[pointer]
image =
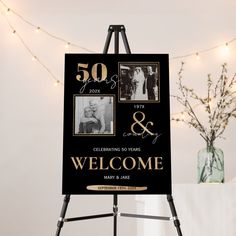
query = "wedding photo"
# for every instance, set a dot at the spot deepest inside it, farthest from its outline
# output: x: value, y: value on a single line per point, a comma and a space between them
x: 93, y: 115
x: 139, y: 82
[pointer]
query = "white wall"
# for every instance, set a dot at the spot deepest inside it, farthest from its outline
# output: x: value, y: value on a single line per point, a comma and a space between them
x: 32, y: 108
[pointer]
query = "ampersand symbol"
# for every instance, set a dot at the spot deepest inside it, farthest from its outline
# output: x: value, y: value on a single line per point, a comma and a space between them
x: 139, y: 122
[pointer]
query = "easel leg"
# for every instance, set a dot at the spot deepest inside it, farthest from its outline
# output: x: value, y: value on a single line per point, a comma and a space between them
x: 116, y: 45
x: 125, y: 40
x: 174, y: 214
x: 108, y: 40
x: 62, y: 215
x: 115, y: 211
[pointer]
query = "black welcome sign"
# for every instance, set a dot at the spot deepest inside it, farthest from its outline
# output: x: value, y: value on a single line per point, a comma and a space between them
x: 116, y: 124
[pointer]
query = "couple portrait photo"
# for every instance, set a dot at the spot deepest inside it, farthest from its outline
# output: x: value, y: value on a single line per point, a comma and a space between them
x: 93, y: 115
x: 139, y: 82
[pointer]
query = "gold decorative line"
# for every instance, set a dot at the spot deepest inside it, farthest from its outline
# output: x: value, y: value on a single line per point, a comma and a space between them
x: 115, y: 188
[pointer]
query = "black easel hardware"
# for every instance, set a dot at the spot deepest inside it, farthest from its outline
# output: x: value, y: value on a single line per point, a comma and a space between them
x: 117, y: 29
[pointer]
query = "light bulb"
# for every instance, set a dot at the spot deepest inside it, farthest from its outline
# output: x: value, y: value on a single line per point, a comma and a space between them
x: 227, y: 47
x: 8, y: 11
x: 37, y: 29
x: 67, y: 45
x: 56, y: 83
x: 225, y: 50
x: 197, y: 56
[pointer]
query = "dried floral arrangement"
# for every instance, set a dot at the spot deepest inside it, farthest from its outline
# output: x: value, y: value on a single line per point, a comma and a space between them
x: 219, y: 104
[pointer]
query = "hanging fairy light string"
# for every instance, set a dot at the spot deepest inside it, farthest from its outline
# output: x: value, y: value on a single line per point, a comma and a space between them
x: 33, y: 56
x: 40, y: 29
x: 197, y: 54
x: 68, y: 43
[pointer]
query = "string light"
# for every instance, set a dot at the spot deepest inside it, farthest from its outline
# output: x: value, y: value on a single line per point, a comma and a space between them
x: 33, y: 57
x: 8, y: 11
x: 44, y: 30
x: 88, y: 50
x: 37, y: 30
x: 224, y: 45
x: 225, y: 50
x: 67, y: 45
x: 197, y: 56
x: 178, y: 116
x: 227, y: 46
x: 57, y: 83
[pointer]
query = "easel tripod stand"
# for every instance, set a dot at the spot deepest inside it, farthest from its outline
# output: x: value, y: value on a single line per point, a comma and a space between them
x: 116, y: 29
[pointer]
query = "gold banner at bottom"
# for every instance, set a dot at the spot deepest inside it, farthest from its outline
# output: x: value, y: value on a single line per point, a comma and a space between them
x: 115, y: 188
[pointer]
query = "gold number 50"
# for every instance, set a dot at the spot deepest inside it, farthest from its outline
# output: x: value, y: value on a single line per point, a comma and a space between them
x: 84, y: 74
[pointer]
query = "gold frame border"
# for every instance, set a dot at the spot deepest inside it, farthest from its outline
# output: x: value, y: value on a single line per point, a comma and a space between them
x: 157, y: 63
x: 114, y: 114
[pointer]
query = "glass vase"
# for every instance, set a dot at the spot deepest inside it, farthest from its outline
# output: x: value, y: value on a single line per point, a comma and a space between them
x: 210, y: 165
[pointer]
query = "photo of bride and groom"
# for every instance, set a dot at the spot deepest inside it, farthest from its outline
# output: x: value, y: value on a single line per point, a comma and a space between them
x: 139, y: 82
x: 93, y: 115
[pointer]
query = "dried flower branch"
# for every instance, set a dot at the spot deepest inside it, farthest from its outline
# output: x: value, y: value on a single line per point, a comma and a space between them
x: 219, y: 104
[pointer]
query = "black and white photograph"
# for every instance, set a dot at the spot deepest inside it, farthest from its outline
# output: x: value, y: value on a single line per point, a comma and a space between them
x: 93, y: 115
x: 139, y: 82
